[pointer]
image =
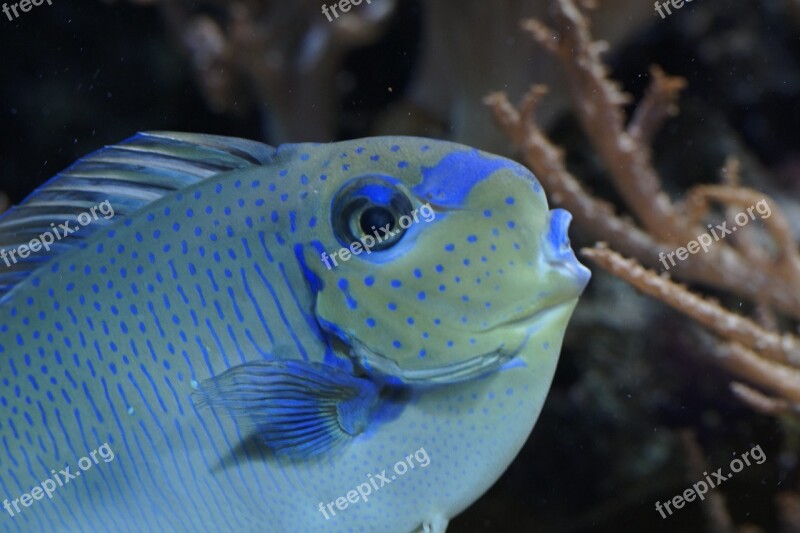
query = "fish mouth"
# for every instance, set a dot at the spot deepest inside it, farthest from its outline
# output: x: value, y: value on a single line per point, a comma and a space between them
x: 530, y: 316
x: 474, y: 367
x: 557, y: 251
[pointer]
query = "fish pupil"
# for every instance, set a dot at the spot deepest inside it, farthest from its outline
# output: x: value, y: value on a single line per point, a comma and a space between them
x: 376, y: 217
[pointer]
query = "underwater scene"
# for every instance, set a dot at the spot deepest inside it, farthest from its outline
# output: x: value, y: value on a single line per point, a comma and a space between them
x: 399, y: 266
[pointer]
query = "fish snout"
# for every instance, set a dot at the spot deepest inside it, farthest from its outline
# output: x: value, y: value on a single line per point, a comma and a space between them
x: 557, y: 250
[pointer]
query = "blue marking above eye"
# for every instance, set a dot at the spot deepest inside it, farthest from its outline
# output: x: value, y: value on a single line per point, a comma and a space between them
x: 376, y: 193
x: 450, y: 181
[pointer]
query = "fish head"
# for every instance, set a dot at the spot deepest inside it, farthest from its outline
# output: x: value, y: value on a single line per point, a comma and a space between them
x: 439, y: 261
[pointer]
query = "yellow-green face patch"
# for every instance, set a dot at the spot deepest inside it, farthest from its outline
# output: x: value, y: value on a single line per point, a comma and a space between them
x: 462, y: 276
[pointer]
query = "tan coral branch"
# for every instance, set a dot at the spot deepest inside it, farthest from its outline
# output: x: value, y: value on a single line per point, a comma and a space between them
x: 780, y: 348
x: 660, y: 102
x: 598, y: 103
x: 763, y: 403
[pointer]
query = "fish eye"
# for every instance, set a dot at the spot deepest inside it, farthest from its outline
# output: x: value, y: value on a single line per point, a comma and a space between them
x: 370, y: 206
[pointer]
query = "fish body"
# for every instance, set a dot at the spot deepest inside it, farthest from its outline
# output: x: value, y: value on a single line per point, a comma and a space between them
x: 242, y: 382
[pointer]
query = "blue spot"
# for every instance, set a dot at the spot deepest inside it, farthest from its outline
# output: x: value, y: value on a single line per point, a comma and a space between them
x: 370, y: 322
x: 510, y: 200
x: 450, y: 247
x: 396, y: 283
x: 369, y: 281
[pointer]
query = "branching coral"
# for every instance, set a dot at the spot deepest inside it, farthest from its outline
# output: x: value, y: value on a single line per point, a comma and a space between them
x: 284, y: 56
x: 468, y: 46
x: 740, y: 264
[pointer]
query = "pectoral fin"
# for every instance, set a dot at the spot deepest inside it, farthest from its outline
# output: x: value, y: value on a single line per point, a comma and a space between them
x: 297, y: 408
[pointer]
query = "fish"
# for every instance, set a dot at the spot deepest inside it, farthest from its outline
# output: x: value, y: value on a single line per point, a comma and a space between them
x: 206, y: 333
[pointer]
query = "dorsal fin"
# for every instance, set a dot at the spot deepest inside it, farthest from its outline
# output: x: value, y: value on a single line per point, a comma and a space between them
x: 129, y: 175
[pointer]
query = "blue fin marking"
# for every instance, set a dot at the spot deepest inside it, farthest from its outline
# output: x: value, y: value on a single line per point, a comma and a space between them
x: 297, y: 408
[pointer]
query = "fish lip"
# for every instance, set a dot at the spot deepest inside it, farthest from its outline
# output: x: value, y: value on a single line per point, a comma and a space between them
x: 558, y: 252
x: 532, y: 315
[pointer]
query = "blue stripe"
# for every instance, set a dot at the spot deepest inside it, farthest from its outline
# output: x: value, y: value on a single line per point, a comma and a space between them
x: 222, y: 351
x: 279, y: 308
x: 256, y: 308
